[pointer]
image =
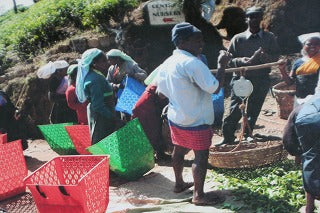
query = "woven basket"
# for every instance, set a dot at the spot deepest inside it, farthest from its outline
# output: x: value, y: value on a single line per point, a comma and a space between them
x: 284, y: 95
x: 250, y: 155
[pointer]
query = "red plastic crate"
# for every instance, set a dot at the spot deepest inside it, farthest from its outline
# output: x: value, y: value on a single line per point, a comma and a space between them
x: 80, y: 136
x: 71, y: 184
x: 13, y: 169
x: 3, y: 138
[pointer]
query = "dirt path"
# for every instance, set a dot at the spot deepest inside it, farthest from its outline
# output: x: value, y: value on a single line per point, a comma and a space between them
x: 122, y: 193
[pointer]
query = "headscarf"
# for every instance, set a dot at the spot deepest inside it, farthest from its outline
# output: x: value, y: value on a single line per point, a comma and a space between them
x: 305, y: 37
x: 72, y: 68
x: 182, y: 31
x: 119, y: 53
x: 83, y: 69
x: 47, y: 70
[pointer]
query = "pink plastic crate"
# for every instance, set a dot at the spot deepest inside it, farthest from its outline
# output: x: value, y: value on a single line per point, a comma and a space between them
x: 80, y: 136
x: 13, y: 169
x: 71, y: 184
x: 3, y: 138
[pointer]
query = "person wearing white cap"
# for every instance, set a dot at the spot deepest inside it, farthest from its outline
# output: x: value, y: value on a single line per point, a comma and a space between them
x: 56, y: 72
x: 122, y: 65
x: 305, y: 70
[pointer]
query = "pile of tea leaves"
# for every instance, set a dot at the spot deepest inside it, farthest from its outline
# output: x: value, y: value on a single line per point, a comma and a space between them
x: 276, y: 188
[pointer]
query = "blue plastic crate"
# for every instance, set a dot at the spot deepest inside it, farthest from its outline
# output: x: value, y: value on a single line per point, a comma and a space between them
x: 130, y: 95
x: 218, y: 107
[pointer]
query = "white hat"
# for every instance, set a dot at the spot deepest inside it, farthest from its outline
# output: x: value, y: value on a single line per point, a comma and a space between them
x: 304, y: 37
x: 47, y: 70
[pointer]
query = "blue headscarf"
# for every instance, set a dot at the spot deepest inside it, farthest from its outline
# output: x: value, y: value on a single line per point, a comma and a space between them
x: 182, y: 31
x: 83, y: 69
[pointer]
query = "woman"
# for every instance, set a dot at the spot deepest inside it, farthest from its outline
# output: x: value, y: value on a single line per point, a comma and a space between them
x: 72, y: 100
x: 305, y: 70
x: 56, y: 72
x: 149, y: 109
x: 93, y: 86
x: 122, y: 65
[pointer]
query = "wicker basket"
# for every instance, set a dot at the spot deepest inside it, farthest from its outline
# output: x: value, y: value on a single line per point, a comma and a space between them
x: 284, y: 95
x: 250, y: 155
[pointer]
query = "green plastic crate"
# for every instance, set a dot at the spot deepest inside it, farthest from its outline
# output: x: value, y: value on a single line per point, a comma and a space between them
x: 131, y: 154
x: 58, y: 138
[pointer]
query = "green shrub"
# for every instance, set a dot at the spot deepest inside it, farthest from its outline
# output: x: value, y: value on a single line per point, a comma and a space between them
x: 28, y: 32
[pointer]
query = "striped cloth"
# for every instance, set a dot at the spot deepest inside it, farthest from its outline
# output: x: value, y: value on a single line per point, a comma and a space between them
x: 195, y: 138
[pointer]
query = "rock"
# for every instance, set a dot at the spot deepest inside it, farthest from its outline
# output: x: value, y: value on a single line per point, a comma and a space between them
x: 233, y: 20
x: 63, y: 48
x: 79, y: 45
x: 93, y: 43
x: 104, y: 41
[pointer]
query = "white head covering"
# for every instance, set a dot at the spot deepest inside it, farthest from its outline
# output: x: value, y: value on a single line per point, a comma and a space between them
x: 83, y: 69
x: 119, y: 53
x: 305, y: 37
x: 47, y: 70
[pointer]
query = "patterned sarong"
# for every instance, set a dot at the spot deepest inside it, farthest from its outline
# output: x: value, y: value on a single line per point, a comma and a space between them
x: 195, y: 138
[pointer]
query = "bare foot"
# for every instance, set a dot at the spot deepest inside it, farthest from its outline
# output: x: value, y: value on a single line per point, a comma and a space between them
x: 208, y: 199
x: 182, y: 187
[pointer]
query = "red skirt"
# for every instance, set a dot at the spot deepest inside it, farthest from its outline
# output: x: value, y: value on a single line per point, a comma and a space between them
x: 195, y: 138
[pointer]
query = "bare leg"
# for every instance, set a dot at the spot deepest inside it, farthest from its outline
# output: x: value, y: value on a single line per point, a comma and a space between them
x: 199, y: 170
x: 310, y: 203
x: 177, y: 161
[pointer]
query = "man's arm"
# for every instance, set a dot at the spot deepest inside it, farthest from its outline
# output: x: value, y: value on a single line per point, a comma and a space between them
x: 290, y: 138
x: 223, y: 60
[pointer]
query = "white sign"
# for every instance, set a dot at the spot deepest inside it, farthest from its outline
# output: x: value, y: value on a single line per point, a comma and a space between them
x: 164, y: 12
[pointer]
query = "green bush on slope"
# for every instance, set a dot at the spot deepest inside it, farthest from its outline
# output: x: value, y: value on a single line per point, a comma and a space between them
x: 40, y: 26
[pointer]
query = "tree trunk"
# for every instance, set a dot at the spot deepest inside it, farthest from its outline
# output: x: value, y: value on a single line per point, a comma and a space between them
x: 15, y: 6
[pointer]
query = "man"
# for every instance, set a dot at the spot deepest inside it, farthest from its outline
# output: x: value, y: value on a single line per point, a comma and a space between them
x: 302, y: 139
x: 187, y: 82
x: 252, y: 47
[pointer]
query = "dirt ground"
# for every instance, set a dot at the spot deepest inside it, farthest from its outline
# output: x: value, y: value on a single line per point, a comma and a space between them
x: 156, y: 187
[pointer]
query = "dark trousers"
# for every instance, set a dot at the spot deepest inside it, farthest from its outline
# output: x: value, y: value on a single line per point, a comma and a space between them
x: 100, y: 127
x: 260, y: 89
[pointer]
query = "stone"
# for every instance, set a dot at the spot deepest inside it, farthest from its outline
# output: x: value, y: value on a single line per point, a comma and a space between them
x: 92, y: 43
x: 104, y: 41
x: 79, y: 44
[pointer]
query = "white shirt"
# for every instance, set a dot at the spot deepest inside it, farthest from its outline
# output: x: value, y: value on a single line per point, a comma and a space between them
x: 249, y: 34
x: 188, y: 84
